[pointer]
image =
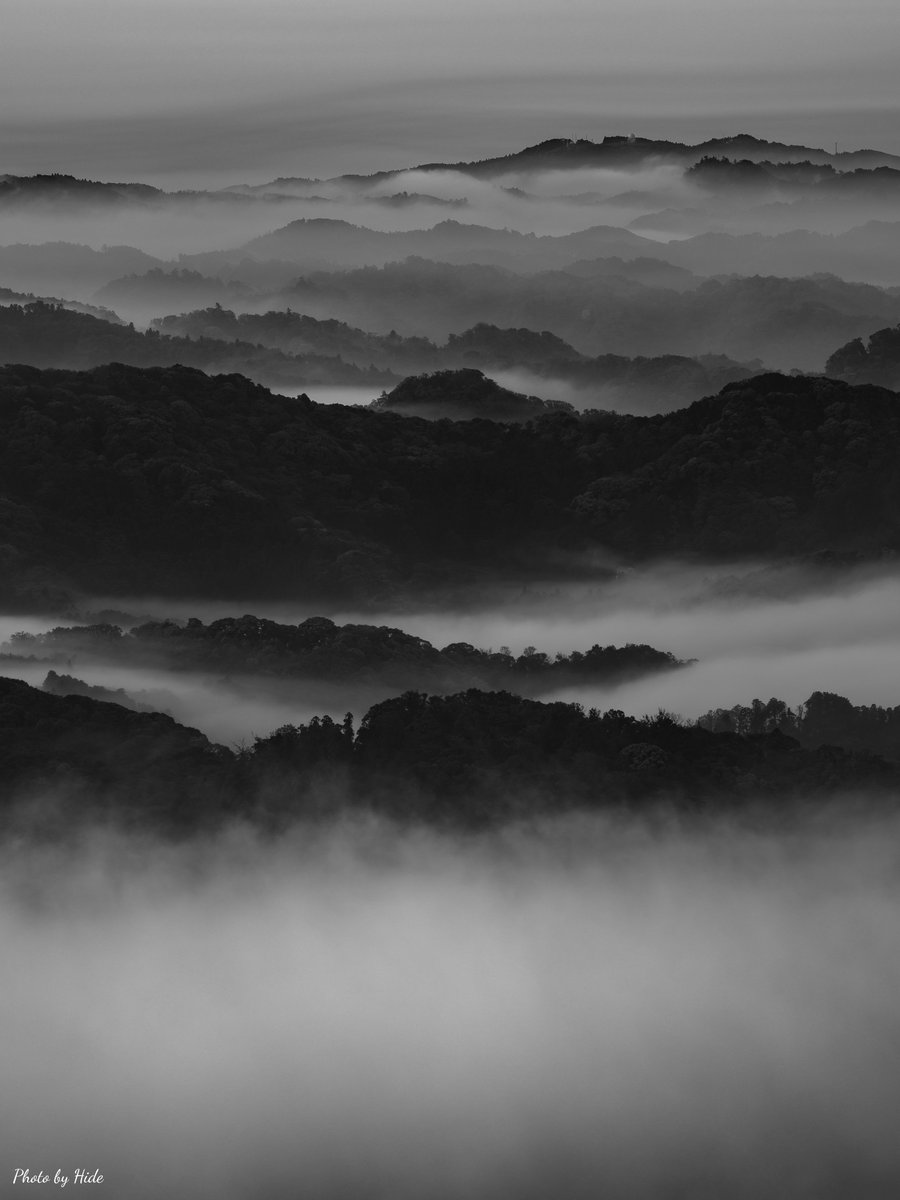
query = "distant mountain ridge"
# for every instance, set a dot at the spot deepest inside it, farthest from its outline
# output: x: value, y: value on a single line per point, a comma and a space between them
x: 613, y: 151
x: 47, y: 335
x: 652, y: 384
x: 341, y: 243
x: 867, y: 252
x: 625, y: 150
x: 788, y: 323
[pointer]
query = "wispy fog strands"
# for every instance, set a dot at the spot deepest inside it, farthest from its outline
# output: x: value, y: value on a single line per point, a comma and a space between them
x: 545, y: 202
x: 756, y: 633
x: 656, y: 201
x: 230, y: 712
x: 785, y: 634
x: 579, y: 1010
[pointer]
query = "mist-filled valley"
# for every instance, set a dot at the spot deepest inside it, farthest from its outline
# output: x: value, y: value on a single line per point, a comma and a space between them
x: 449, y: 657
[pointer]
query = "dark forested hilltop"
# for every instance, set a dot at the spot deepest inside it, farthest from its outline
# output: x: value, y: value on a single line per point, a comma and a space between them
x: 875, y: 361
x: 317, y: 648
x: 107, y: 762
x: 627, y: 150
x: 165, y: 480
x: 468, y: 760
x: 463, y: 394
x: 824, y: 719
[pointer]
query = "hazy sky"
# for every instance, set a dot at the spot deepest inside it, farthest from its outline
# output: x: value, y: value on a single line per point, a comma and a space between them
x: 203, y: 90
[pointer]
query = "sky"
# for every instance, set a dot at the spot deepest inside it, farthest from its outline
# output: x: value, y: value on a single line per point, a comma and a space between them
x: 206, y: 92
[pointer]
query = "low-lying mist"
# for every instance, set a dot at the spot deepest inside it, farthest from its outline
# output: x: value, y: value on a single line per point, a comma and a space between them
x: 782, y: 632
x: 604, y: 397
x: 755, y: 632
x: 578, y: 1009
x: 655, y: 200
x: 609, y: 398
x: 164, y: 231
x: 552, y: 202
x: 230, y: 711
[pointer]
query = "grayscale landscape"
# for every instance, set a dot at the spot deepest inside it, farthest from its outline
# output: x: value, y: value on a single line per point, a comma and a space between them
x: 449, y: 591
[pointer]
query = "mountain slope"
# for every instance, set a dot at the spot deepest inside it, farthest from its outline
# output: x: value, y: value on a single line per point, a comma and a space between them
x: 121, y: 480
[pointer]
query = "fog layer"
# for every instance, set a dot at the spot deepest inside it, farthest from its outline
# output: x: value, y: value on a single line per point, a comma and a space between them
x: 755, y: 632
x: 581, y: 1010
x: 783, y: 633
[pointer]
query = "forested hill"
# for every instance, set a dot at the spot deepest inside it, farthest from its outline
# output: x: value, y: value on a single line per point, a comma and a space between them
x: 317, y: 648
x: 877, y: 361
x: 653, y: 384
x: 165, y: 480
x: 45, y: 334
x: 630, y: 151
x: 462, y: 395
x: 469, y: 760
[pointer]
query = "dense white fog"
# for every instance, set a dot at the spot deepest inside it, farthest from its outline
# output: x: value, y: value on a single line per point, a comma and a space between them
x: 578, y: 1010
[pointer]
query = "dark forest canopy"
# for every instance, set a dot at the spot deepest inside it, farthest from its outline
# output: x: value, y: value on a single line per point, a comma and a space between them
x: 164, y: 480
x: 317, y: 648
x: 471, y: 759
x: 824, y: 719
x: 874, y: 361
